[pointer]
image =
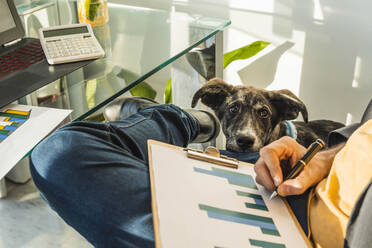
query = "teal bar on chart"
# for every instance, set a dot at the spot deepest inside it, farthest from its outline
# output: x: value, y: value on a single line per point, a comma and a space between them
x: 265, y: 244
x: 266, y: 224
x: 234, y: 178
x: 259, y: 202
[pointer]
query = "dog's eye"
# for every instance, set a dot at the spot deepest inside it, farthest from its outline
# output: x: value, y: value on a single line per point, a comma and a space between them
x: 234, y: 109
x: 263, y: 113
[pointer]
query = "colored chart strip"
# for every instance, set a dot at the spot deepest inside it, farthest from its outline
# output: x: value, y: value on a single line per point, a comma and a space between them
x: 3, y: 131
x: 259, y: 202
x: 18, y: 120
x: 232, y: 177
x: 266, y: 224
x: 265, y: 244
x: 13, y: 115
x: 10, y: 128
x: 18, y: 112
x: 10, y: 120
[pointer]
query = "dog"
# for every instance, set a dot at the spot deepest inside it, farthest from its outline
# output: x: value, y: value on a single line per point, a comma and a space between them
x: 252, y: 118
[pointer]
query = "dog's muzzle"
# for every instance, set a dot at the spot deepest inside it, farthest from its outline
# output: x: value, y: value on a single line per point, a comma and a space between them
x: 242, y: 143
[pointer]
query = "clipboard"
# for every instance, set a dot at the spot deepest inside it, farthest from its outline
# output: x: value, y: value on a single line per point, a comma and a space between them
x: 168, y: 231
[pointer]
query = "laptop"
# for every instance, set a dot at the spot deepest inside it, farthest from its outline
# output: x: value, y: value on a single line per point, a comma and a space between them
x: 23, y: 66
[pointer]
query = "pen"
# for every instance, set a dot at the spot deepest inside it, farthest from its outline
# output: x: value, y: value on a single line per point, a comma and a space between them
x: 300, y: 165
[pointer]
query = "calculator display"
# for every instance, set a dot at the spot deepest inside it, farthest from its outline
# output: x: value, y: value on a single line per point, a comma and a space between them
x: 65, y: 31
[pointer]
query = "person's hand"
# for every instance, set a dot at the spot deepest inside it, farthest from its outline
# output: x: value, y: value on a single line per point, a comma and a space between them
x: 286, y: 152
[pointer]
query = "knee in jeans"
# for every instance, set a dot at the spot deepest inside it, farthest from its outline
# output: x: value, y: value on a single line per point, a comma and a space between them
x: 56, y: 151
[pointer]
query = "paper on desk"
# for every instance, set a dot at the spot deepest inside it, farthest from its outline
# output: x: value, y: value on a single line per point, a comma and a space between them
x: 41, y: 122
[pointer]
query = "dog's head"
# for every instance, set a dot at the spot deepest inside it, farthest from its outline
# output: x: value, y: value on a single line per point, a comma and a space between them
x: 249, y: 116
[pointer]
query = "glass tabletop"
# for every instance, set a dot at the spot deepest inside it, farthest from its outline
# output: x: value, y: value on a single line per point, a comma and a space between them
x: 138, y: 42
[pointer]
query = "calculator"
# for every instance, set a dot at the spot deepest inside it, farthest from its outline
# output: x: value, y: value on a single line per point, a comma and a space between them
x: 69, y: 43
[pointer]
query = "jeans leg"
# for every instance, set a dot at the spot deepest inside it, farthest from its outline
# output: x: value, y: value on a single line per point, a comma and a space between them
x: 95, y: 175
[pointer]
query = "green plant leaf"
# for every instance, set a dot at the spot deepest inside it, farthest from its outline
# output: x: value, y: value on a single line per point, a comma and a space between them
x: 168, y: 92
x: 244, y: 52
x: 90, y: 92
x: 143, y: 89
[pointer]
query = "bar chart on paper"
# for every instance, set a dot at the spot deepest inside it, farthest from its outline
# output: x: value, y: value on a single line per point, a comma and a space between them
x: 215, y: 206
x: 266, y: 224
x: 10, y: 120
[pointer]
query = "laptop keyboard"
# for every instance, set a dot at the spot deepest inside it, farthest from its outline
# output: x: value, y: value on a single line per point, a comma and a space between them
x: 21, y: 58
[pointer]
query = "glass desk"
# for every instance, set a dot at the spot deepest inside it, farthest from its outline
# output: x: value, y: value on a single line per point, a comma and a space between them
x: 144, y: 49
x: 138, y: 42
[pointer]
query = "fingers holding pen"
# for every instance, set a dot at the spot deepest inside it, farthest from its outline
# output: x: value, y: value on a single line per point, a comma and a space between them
x: 263, y: 176
x: 271, y: 161
x: 310, y: 176
x: 268, y: 170
x: 291, y: 187
x: 299, y: 184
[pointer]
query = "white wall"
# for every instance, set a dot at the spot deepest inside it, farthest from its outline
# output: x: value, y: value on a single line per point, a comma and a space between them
x: 321, y: 50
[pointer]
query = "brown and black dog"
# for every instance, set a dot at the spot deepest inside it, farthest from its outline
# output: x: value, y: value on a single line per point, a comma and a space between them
x: 252, y: 118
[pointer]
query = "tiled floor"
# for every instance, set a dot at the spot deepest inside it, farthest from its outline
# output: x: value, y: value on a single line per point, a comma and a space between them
x: 27, y: 222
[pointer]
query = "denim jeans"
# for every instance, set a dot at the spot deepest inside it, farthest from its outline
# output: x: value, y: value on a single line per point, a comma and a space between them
x: 95, y: 175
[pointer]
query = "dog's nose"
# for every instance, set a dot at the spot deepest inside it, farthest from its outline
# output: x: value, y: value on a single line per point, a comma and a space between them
x: 245, y: 141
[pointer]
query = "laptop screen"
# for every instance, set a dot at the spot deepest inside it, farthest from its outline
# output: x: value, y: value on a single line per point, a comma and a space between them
x: 11, y: 27
x: 6, y: 18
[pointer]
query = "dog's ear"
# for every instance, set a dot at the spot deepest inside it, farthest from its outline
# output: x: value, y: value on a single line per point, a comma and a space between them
x: 213, y: 93
x: 288, y: 104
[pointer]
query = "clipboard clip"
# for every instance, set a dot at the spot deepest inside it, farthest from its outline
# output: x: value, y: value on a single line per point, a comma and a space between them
x: 212, y: 155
